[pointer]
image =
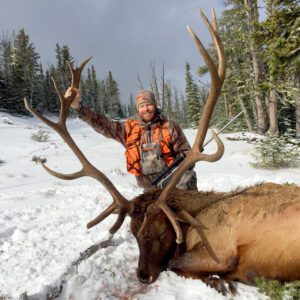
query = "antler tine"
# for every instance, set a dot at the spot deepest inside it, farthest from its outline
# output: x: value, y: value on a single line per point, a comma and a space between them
x: 66, y: 102
x: 106, y: 213
x: 102, y: 215
x: 76, y: 73
x: 64, y: 105
x: 63, y: 176
x: 217, y: 41
x: 152, y: 211
x: 217, y: 78
x: 38, y: 115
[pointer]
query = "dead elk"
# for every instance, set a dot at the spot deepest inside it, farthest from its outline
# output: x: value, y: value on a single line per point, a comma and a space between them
x: 253, y: 233
x: 237, y: 235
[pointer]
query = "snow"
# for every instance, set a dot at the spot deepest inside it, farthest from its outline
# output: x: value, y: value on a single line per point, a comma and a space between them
x: 42, y: 221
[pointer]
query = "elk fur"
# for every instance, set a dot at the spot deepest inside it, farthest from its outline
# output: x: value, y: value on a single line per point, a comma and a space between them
x: 254, y: 232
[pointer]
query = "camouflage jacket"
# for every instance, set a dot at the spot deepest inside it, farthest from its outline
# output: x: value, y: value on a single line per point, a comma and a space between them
x: 116, y: 130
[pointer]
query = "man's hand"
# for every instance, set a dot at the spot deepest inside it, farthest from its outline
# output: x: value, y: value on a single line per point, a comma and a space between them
x: 70, y: 92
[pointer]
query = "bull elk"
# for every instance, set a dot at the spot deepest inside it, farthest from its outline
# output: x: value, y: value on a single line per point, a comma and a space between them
x: 240, y: 235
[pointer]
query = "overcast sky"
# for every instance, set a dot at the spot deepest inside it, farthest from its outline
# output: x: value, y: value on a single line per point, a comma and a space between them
x: 123, y: 36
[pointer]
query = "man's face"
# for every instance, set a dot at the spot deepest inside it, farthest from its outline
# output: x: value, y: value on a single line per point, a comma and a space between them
x: 146, y: 111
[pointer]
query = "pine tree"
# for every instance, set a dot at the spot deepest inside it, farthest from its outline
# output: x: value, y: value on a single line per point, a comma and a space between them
x: 94, y: 92
x: 62, y: 73
x: 6, y: 103
x: 178, y: 111
x: 25, y: 65
x: 86, y: 91
x: 192, y: 99
x: 131, y: 107
x: 237, y: 92
x: 251, y: 10
x: 51, y: 104
x: 280, y: 37
x: 103, y: 98
x: 38, y: 92
x: 168, y: 107
x: 113, y: 96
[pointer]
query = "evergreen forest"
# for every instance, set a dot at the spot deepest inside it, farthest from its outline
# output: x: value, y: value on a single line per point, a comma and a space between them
x: 262, y: 80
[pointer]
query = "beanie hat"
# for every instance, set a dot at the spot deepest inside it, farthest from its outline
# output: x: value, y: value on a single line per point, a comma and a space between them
x: 144, y: 96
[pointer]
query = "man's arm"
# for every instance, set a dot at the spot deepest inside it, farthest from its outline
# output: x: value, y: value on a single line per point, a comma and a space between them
x: 179, y: 141
x: 100, y: 123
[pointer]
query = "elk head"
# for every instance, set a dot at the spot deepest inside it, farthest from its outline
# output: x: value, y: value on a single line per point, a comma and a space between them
x: 154, y: 215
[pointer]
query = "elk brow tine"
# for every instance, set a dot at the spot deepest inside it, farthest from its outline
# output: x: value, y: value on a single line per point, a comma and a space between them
x: 199, y: 228
x: 102, y: 215
x: 64, y: 176
x: 171, y: 216
x: 118, y: 223
x: 143, y: 226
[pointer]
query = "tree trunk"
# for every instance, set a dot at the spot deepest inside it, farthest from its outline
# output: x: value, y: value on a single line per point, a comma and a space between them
x: 252, y: 12
x: 297, y: 102
x: 273, y: 129
x: 246, y: 114
x: 272, y: 109
x: 154, y: 83
x: 228, y: 107
x: 163, y: 98
x: 267, y: 103
x: 271, y: 100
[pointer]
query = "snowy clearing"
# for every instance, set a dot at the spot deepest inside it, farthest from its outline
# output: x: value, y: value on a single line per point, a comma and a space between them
x: 42, y: 222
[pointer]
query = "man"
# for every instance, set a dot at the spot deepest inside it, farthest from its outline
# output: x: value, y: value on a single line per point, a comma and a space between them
x: 151, y: 141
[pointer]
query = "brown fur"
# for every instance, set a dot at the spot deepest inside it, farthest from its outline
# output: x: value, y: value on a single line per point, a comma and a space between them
x: 254, y: 232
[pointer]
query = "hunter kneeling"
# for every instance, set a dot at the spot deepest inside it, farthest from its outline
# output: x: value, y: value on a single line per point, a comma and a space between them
x: 153, y: 143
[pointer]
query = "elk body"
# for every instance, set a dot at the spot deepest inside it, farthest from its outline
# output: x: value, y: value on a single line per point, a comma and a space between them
x: 253, y: 233
x: 239, y: 235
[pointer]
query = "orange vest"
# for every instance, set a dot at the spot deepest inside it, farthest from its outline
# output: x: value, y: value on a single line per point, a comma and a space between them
x: 133, y: 137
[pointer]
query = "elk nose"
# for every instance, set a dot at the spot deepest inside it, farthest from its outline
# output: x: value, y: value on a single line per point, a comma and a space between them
x: 143, y: 277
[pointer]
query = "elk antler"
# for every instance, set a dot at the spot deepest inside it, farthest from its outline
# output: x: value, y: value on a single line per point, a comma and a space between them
x: 217, y: 77
x: 87, y: 168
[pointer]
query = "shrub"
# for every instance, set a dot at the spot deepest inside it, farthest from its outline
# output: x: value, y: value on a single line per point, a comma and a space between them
x: 2, y: 161
x: 277, y: 152
x: 40, y: 136
x: 278, y: 291
x: 7, y: 121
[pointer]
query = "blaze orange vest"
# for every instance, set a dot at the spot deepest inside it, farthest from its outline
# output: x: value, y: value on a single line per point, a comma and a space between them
x: 133, y: 139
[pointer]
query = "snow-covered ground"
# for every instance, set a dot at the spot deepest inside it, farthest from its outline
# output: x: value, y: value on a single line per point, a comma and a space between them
x: 42, y: 219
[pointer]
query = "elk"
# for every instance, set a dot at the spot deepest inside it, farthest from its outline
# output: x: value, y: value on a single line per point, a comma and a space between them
x: 239, y: 235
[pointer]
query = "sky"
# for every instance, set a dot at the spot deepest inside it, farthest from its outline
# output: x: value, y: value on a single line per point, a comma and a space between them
x: 123, y: 36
